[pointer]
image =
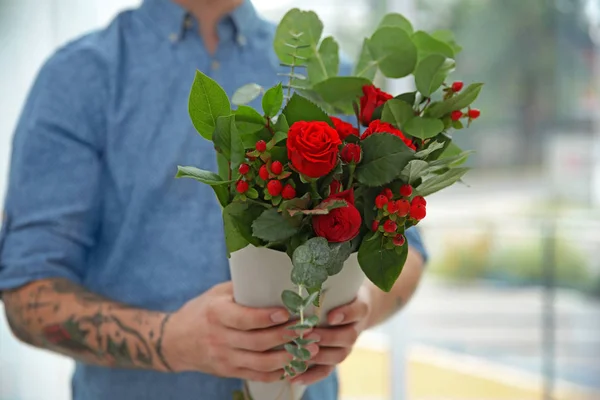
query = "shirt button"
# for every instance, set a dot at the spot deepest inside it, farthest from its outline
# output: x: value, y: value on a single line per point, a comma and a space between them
x: 173, y: 37
x: 242, y: 41
x: 215, y: 65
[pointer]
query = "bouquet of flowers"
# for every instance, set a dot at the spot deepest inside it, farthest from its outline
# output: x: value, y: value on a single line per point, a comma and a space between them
x: 313, y: 203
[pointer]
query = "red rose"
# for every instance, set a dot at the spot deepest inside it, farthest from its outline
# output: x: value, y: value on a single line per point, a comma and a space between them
x: 351, y: 153
x: 313, y: 148
x: 343, y: 128
x: 341, y: 224
x: 372, y: 98
x: 382, y: 127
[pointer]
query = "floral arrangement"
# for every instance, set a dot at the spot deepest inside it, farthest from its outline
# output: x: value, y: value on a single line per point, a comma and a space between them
x: 299, y: 177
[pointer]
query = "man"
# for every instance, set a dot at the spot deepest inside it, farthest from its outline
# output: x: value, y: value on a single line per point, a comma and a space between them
x: 107, y: 259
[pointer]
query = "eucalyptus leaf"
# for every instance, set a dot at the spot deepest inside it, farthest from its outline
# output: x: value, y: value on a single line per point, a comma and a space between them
x: 292, y: 301
x: 246, y: 94
x: 398, y: 21
x: 397, y: 112
x: 341, y: 91
x: 447, y: 37
x: 339, y: 254
x: 366, y: 67
x: 431, y: 73
x: 310, y: 263
x: 427, y: 45
x: 393, y: 51
x: 297, y: 28
x: 325, y: 62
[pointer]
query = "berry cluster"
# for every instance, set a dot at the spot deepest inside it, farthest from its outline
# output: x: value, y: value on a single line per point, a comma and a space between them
x: 456, y: 115
x: 261, y: 175
x: 396, y: 213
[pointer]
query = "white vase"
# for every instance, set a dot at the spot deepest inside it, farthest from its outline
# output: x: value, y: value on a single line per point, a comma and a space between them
x: 259, y: 276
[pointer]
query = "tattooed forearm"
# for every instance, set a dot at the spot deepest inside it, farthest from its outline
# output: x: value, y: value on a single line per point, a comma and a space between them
x: 61, y: 316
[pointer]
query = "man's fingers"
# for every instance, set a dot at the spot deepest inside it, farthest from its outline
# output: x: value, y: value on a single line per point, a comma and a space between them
x: 245, y: 318
x: 252, y: 375
x: 267, y: 361
x: 314, y: 374
x: 353, y: 312
x: 331, y: 355
x: 259, y: 340
x: 343, y: 336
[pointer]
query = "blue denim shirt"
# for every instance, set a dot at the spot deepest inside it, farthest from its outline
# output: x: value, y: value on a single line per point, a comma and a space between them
x: 92, y: 196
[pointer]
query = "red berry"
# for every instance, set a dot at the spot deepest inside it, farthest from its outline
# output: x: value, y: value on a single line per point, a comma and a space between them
x: 244, y: 169
x: 419, y: 200
x: 261, y: 146
x: 274, y: 187
x: 242, y: 187
x: 276, y: 167
x: 457, y: 86
x: 456, y: 115
x: 405, y: 190
x: 335, y: 187
x: 392, y: 207
x: 474, y: 113
x: 399, y: 240
x: 390, y: 226
x: 381, y: 201
x: 263, y: 172
x: 403, y: 207
x: 418, y: 212
x: 351, y: 153
x: 375, y: 225
x: 288, y: 192
x: 387, y: 192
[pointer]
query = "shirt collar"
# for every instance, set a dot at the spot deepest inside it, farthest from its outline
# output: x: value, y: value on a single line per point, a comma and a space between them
x: 170, y: 19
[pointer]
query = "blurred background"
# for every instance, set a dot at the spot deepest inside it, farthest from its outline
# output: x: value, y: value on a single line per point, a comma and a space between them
x: 510, y: 305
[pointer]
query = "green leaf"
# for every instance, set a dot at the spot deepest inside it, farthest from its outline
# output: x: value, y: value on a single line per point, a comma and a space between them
x: 424, y: 128
x: 457, y: 102
x: 301, y: 109
x: 301, y: 203
x: 272, y: 100
x: 321, y: 209
x: 431, y: 73
x: 208, y: 101
x: 427, y: 45
x: 385, y: 156
x: 325, y: 62
x: 210, y: 178
x: 237, y: 221
x: 397, y: 112
x: 281, y: 125
x: 279, y: 154
x: 223, y: 166
x: 310, y: 263
x: 298, y: 327
x: 338, y: 256
x: 447, y: 37
x: 227, y: 137
x: 457, y: 125
x: 246, y: 94
x: 451, y: 160
x: 414, y: 170
x: 293, y: 23
x: 430, y: 149
x: 248, y: 120
x: 313, y: 320
x: 299, y: 366
x: 272, y: 226
x: 289, y: 371
x: 409, y: 97
x: 341, y: 91
x: 304, y: 342
x: 439, y: 182
x: 292, y: 301
x: 279, y: 137
x: 366, y: 67
x: 298, y: 352
x: 380, y: 265
x: 398, y: 21
x: 393, y: 51
x: 451, y: 150
x: 252, y: 194
x: 311, y: 299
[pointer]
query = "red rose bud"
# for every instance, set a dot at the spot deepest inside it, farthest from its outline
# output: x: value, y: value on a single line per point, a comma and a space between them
x: 343, y: 128
x: 341, y: 224
x: 244, y: 169
x: 418, y: 212
x: 274, y: 187
x: 375, y: 225
x: 263, y: 172
x: 405, y: 190
x: 474, y: 113
x: 261, y: 146
x: 288, y: 192
x: 392, y: 207
x: 456, y: 115
x: 387, y: 192
x: 242, y: 187
x: 383, y: 127
x: 372, y: 98
x: 403, y: 207
x: 457, y: 86
x: 390, y: 226
x: 351, y: 153
x: 334, y: 187
x: 276, y: 167
x: 399, y: 240
x: 313, y: 148
x: 381, y: 201
x: 419, y: 200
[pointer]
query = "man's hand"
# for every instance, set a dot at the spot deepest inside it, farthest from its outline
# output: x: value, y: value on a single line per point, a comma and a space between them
x: 336, y: 342
x: 214, y: 335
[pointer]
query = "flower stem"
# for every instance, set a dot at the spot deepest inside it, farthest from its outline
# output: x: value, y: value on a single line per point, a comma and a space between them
x: 351, y: 178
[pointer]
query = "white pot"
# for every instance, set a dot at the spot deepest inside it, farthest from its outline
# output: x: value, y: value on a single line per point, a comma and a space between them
x: 259, y: 276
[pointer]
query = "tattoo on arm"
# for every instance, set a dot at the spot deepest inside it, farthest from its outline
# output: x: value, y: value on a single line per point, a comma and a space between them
x: 62, y: 316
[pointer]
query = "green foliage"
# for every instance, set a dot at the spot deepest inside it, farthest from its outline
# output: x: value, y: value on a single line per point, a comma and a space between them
x: 435, y: 183
x: 209, y: 178
x: 301, y: 109
x: 341, y: 91
x: 393, y: 51
x: 458, y: 102
x: 294, y: 23
x: 272, y: 226
x: 382, y: 266
x: 310, y: 263
x: 428, y: 45
x: 397, y: 112
x: 431, y: 72
x: 397, y: 21
x: 414, y: 170
x: 207, y: 102
x: 325, y: 63
x: 423, y: 128
x: 292, y: 301
x: 237, y: 221
x: 385, y: 156
x: 228, y: 140
x: 273, y: 100
x: 246, y: 94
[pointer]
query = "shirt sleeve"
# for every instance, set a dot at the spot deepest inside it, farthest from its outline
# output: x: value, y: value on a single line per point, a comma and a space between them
x: 413, y: 236
x: 52, y: 203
